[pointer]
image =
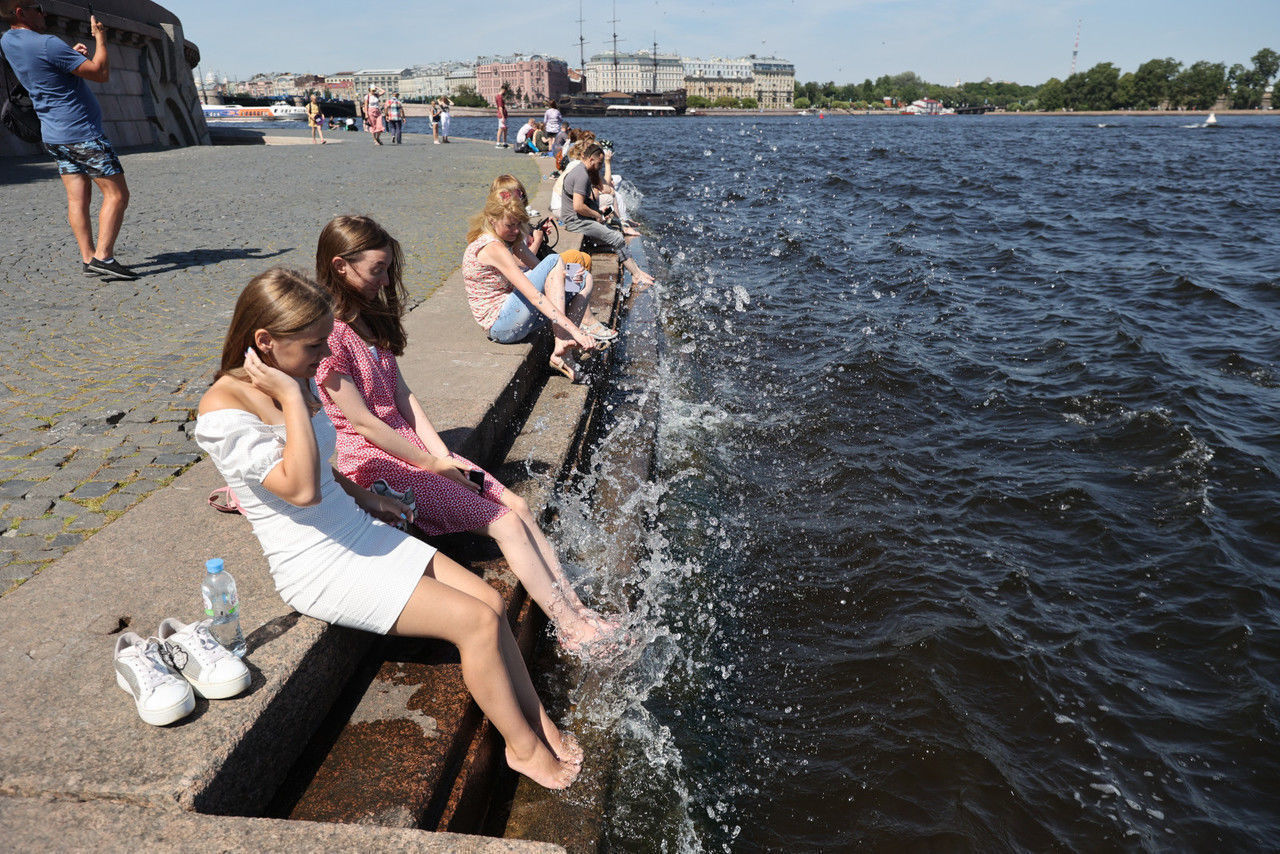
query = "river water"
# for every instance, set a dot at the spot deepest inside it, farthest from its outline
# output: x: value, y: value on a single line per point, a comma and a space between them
x: 962, y: 530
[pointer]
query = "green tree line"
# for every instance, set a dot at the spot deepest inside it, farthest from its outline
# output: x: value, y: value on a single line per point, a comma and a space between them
x: 1157, y: 84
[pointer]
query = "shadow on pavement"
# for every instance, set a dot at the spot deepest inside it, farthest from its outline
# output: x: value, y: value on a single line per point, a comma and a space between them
x: 168, y: 262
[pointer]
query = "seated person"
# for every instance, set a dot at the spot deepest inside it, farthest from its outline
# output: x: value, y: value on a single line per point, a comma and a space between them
x: 541, y: 139
x: 511, y: 294
x: 522, y: 137
x: 385, y: 434
x: 262, y: 424
x: 580, y: 210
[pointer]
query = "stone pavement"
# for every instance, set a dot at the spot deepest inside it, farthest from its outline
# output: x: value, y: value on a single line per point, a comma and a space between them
x: 100, y: 379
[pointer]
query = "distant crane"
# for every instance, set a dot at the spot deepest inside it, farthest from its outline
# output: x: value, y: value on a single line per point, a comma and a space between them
x: 1076, y: 49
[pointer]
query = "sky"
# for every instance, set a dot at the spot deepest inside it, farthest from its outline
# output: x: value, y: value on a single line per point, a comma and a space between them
x: 847, y: 41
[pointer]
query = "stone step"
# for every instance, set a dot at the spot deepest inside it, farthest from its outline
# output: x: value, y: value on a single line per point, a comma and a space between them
x: 441, y: 756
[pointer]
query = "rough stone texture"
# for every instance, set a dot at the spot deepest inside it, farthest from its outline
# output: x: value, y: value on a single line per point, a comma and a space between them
x: 87, y: 742
x: 29, y: 824
x: 108, y: 368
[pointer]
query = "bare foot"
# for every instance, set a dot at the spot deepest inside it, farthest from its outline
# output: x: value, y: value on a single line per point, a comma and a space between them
x: 542, y: 767
x: 563, y: 744
x: 570, y: 751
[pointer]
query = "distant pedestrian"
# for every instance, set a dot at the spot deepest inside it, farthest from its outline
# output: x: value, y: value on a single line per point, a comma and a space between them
x: 315, y: 120
x: 435, y: 120
x: 393, y: 109
x: 552, y: 119
x: 502, y: 116
x: 373, y: 122
x: 445, y: 118
x: 71, y: 124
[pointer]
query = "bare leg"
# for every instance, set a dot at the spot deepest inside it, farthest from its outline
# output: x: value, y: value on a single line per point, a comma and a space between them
x: 79, y: 190
x: 579, y: 308
x: 443, y: 606
x: 637, y: 275
x: 554, y: 291
x: 551, y: 590
x: 115, y: 198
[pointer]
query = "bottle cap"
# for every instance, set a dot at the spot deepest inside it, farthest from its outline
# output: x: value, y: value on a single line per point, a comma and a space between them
x: 213, y: 564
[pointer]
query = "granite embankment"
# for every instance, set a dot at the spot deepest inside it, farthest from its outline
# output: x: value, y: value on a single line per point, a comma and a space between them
x: 117, y: 363
x: 100, y: 379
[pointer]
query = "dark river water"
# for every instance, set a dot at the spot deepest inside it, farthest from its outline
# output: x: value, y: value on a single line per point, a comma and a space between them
x: 963, y: 529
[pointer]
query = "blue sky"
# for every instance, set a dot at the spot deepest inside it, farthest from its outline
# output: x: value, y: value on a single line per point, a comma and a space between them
x: 1027, y: 41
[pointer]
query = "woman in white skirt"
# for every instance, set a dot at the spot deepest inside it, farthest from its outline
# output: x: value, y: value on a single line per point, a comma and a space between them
x: 262, y: 423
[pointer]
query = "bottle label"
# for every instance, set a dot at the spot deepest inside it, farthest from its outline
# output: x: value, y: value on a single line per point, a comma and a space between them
x: 230, y: 605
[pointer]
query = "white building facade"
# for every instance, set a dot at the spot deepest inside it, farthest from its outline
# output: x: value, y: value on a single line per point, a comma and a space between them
x: 641, y: 71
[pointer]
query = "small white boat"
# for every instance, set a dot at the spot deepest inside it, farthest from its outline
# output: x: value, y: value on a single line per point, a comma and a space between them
x: 288, y: 111
x: 1212, y: 121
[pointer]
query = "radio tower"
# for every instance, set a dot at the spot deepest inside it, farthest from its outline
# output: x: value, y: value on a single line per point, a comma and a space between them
x: 1076, y: 49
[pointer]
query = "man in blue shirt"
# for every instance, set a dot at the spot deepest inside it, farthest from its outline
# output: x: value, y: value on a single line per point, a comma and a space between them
x: 71, y: 125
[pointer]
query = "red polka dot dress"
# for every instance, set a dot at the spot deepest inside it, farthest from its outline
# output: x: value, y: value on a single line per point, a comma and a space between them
x: 444, y: 506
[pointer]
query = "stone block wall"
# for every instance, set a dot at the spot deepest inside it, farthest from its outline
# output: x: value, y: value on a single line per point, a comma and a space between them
x: 151, y: 98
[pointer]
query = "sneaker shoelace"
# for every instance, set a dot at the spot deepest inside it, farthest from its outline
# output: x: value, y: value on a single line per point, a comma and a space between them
x: 154, y: 670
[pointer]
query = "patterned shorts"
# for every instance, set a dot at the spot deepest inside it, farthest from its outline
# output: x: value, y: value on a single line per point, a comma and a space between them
x: 95, y: 158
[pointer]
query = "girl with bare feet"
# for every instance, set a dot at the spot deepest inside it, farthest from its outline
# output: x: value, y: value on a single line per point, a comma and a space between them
x: 384, y: 433
x: 512, y: 294
x: 262, y: 423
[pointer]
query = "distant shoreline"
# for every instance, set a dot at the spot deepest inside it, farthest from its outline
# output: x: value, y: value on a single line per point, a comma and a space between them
x: 813, y: 112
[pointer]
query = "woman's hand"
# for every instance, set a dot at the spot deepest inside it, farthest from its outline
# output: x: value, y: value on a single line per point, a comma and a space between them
x: 388, y: 509
x: 272, y: 382
x: 455, y: 471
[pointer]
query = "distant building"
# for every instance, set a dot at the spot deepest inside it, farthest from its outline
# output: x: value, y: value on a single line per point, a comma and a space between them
x: 531, y: 79
x: 641, y: 71
x: 463, y: 77
x: 341, y: 85
x: 713, y: 69
x: 775, y: 81
x: 387, y: 79
x: 712, y: 88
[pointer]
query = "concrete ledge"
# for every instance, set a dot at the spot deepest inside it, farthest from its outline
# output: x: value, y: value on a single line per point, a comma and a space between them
x: 72, y: 735
x: 50, y: 825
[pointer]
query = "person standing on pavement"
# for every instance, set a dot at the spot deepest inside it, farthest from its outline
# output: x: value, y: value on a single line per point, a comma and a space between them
x: 445, y: 118
x: 57, y: 76
x: 502, y: 117
x: 373, y: 114
x: 315, y: 119
x: 393, y: 109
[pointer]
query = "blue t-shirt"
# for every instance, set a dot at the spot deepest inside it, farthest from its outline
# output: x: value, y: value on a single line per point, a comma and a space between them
x: 68, y: 110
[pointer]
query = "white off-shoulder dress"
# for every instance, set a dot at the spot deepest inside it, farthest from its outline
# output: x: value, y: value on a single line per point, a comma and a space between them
x: 332, y: 561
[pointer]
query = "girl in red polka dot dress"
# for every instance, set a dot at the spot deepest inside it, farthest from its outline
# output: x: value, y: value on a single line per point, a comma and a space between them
x: 384, y: 433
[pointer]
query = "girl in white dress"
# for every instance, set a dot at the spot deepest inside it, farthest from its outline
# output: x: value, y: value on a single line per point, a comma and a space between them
x: 263, y: 425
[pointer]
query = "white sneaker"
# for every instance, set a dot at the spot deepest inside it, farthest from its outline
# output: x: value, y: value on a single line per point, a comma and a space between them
x: 192, y: 650
x: 161, y: 695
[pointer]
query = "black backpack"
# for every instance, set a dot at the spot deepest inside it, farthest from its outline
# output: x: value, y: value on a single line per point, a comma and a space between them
x: 17, y: 113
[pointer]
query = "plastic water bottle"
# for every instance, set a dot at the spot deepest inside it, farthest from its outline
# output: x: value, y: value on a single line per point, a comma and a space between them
x: 223, y: 604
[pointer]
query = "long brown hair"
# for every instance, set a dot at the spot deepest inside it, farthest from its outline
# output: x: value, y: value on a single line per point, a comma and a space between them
x: 346, y: 237
x: 283, y: 302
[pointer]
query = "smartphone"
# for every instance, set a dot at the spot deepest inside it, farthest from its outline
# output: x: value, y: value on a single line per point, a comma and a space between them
x: 477, y: 477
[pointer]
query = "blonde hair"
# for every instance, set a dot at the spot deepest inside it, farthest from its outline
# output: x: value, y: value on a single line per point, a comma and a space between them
x: 283, y: 302
x: 347, y: 237
x: 509, y: 183
x: 495, y: 209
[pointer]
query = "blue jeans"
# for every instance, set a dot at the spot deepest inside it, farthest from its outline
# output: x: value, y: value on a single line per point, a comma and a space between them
x: 518, y: 319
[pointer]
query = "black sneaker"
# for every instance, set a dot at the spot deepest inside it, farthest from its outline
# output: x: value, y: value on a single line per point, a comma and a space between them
x: 111, y: 268
x: 89, y: 271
